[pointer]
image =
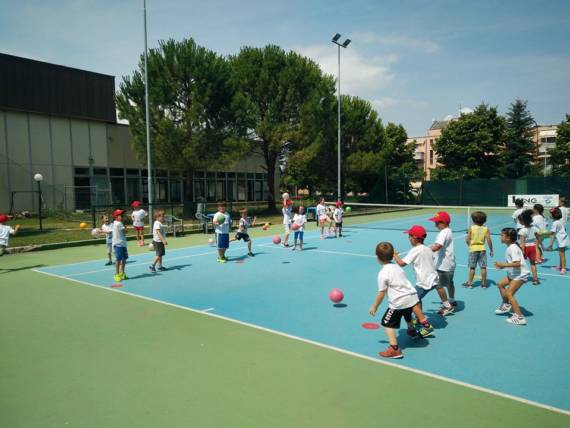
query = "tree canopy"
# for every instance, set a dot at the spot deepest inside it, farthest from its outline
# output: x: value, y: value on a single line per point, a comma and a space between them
x: 517, y: 154
x: 560, y: 154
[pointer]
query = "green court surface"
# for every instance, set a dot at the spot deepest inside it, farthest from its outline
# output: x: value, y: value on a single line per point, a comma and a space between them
x: 77, y: 356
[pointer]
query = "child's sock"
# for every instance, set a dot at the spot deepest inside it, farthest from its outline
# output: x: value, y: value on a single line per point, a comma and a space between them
x: 446, y: 304
x: 394, y: 347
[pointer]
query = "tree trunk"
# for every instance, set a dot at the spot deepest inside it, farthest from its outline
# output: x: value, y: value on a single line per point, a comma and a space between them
x: 270, y: 162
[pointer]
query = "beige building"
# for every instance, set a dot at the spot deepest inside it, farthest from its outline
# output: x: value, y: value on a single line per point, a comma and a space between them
x: 544, y: 138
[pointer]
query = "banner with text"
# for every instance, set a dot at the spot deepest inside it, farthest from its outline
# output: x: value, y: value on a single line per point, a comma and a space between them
x: 548, y: 201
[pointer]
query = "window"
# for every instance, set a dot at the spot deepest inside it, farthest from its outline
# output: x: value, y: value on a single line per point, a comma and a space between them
x: 117, y: 172
x: 133, y: 189
x: 82, y: 171
x: 242, y: 190
x: 199, y: 189
x: 431, y: 157
x: 133, y: 172
x: 118, y: 190
x: 82, y: 192
x: 99, y: 171
x: 258, y: 187
x: 175, y: 190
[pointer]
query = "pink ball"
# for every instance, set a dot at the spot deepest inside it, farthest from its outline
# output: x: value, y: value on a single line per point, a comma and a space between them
x: 295, y: 226
x: 277, y: 240
x: 336, y: 295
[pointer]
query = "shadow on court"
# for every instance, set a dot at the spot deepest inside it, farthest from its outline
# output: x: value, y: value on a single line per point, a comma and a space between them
x: 4, y: 270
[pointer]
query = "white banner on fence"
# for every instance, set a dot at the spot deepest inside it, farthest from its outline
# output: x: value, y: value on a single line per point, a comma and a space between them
x: 548, y: 201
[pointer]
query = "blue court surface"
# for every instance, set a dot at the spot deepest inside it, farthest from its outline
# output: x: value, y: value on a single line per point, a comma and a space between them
x: 287, y: 292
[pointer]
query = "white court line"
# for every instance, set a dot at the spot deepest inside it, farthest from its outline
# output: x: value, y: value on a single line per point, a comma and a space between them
x: 322, y: 345
x: 208, y: 310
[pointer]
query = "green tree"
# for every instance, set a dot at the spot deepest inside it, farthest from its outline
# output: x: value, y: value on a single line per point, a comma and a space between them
x: 281, y: 89
x: 560, y: 154
x: 196, y: 111
x: 468, y: 146
x: 517, y: 154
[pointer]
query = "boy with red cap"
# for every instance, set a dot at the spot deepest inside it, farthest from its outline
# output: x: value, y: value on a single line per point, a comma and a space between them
x: 337, y: 217
x: 444, y: 259
x: 5, y: 232
x: 119, y: 245
x: 137, y: 217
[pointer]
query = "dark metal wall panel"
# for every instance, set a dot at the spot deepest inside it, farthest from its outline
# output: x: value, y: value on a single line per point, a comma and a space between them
x: 39, y: 87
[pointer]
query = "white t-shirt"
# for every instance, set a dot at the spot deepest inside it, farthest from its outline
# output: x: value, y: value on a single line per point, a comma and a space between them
x: 560, y: 232
x: 529, y: 235
x: 516, y: 214
x: 445, y: 258
x: 300, y: 220
x: 539, y: 222
x: 225, y: 226
x: 421, y: 258
x: 321, y: 210
x: 515, y: 254
x: 107, y: 229
x: 5, y: 232
x: 157, y: 226
x: 337, y: 215
x: 119, y: 238
x: 138, y: 217
x: 287, y: 210
x: 244, y: 224
x: 564, y: 212
x: 401, y: 293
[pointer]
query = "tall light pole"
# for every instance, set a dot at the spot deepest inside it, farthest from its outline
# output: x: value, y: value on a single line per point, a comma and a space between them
x: 344, y: 44
x: 38, y: 179
x: 148, y: 152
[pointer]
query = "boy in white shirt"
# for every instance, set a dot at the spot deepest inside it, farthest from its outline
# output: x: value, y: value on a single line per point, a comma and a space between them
x: 337, y: 217
x: 402, y: 300
x: 563, y: 209
x: 119, y: 242
x: 5, y: 232
x: 558, y: 232
x: 107, y: 230
x: 138, y: 215
x: 287, y: 210
x: 245, y: 223
x: 222, y: 229
x: 519, y: 204
x: 322, y: 216
x: 299, y: 221
x: 444, y: 256
x: 158, y: 241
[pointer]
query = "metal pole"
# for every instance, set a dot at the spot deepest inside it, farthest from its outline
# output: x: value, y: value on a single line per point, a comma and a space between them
x: 40, y: 204
x: 148, y: 151
x: 338, y: 92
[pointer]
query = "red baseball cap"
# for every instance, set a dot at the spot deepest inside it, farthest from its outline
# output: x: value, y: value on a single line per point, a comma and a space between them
x: 4, y: 218
x: 339, y: 203
x: 417, y: 231
x: 117, y: 213
x: 136, y: 204
x: 441, y: 216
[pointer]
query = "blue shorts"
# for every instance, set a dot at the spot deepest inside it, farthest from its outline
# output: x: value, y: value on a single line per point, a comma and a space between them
x: 299, y: 235
x: 422, y: 291
x: 223, y: 240
x: 121, y: 253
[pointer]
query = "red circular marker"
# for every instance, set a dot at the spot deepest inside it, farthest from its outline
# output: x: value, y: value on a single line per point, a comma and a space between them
x: 371, y: 325
x: 116, y: 285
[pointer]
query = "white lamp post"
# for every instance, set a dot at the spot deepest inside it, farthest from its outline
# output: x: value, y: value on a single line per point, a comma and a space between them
x: 38, y: 179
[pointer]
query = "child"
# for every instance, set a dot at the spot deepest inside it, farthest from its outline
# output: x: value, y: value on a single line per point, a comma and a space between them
x: 158, y: 241
x: 245, y: 223
x: 476, y: 237
x: 539, y: 222
x: 444, y: 256
x: 330, y: 219
x: 299, y: 219
x: 5, y: 232
x: 563, y: 209
x: 402, y: 300
x: 222, y: 233
x: 119, y: 242
x: 337, y: 217
x: 421, y: 258
x: 107, y: 230
x: 517, y: 275
x: 558, y: 231
x: 287, y: 211
x: 528, y: 238
x: 519, y: 204
x: 137, y: 217
x: 322, y: 216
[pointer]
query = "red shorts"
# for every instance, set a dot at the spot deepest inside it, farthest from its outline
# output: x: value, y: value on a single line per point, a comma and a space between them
x: 140, y: 228
x: 530, y: 252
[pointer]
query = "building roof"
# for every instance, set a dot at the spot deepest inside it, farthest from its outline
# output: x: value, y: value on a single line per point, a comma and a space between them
x: 439, y: 124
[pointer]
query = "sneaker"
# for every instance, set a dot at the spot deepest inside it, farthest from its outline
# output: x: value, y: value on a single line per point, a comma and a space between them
x: 445, y: 310
x: 124, y: 275
x: 108, y: 263
x: 467, y: 285
x: 424, y: 329
x: 411, y: 332
x: 562, y: 271
x: 253, y: 255
x: 221, y: 260
x: 152, y: 268
x: 340, y: 234
x: 162, y: 268
x: 535, y: 282
x: 117, y: 278
x: 391, y: 353
x: 505, y: 308
x: 517, y: 320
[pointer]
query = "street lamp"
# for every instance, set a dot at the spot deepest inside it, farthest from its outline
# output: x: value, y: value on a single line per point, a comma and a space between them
x: 344, y: 44
x: 38, y: 179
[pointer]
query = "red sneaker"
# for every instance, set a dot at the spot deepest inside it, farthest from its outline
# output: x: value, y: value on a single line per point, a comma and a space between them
x: 391, y: 353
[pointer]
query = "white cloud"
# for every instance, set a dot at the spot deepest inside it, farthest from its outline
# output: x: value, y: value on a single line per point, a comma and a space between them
x: 399, y: 40
x: 466, y: 110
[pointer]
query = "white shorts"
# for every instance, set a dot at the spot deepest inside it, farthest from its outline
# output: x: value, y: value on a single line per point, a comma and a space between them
x: 521, y: 278
x: 287, y: 227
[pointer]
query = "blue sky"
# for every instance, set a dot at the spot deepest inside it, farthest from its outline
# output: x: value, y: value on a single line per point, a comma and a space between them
x: 415, y: 60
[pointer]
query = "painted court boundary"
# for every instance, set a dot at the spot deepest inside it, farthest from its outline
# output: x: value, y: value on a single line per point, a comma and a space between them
x: 207, y: 312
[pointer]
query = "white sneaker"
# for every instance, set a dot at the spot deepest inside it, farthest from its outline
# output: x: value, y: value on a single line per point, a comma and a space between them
x: 517, y: 320
x: 503, y: 309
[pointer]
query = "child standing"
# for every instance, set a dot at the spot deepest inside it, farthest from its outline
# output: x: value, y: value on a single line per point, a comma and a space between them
x: 158, y: 241
x: 519, y: 204
x: 138, y: 215
x: 558, y: 231
x: 5, y: 232
x: 322, y: 216
x: 119, y: 242
x: 477, y: 234
x: 517, y: 275
x: 222, y: 230
x: 287, y: 210
x: 563, y: 209
x: 244, y: 224
x: 528, y: 238
x: 337, y: 217
x: 539, y: 222
x: 444, y: 256
x: 299, y: 219
x: 107, y: 230
x: 402, y: 300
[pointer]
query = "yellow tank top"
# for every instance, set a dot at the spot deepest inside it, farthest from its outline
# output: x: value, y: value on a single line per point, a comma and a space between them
x: 478, y: 234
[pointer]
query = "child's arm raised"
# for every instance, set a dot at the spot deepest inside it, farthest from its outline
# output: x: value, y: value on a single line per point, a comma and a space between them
x: 377, y: 301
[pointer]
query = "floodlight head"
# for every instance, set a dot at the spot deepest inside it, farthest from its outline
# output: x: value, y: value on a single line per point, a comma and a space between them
x: 38, y: 177
x: 336, y: 37
x: 346, y: 43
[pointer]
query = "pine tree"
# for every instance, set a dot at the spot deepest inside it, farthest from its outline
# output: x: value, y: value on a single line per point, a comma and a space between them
x: 517, y: 154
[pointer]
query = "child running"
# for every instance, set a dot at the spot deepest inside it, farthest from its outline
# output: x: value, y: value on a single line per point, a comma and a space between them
x: 245, y: 223
x: 299, y: 219
x: 5, y: 233
x: 444, y: 256
x: 558, y: 231
x: 158, y: 241
x: 287, y: 210
x: 402, y: 300
x: 119, y: 242
x: 337, y: 217
x: 519, y: 204
x: 138, y: 215
x: 322, y: 216
x: 528, y: 238
x: 222, y: 232
x: 107, y: 230
x: 539, y: 222
x: 477, y: 234
x: 517, y: 275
